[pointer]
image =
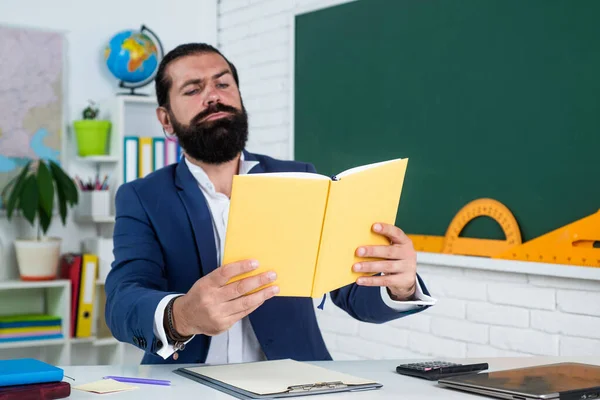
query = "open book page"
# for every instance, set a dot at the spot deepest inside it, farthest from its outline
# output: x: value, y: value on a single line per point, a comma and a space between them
x: 356, y: 202
x: 272, y: 377
x: 278, y: 222
x: 298, y: 175
x: 363, y: 167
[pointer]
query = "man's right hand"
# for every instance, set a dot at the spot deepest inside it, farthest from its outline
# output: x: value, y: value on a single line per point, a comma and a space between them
x: 213, y: 305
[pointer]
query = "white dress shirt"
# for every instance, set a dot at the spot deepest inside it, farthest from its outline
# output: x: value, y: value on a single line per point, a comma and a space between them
x: 239, y: 343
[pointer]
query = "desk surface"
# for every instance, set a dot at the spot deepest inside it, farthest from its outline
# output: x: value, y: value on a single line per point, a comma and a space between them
x: 382, y: 371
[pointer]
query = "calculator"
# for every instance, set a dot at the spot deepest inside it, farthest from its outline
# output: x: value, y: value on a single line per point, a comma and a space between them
x: 434, y: 370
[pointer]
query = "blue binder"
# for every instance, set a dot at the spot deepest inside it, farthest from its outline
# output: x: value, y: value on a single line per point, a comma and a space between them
x: 24, y: 371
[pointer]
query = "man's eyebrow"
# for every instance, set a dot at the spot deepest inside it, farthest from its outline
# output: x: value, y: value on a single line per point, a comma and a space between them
x: 195, y: 81
x: 220, y: 74
x: 198, y: 81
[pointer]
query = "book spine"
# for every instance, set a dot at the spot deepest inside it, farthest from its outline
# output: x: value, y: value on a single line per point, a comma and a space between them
x: 44, y: 391
x: 312, y: 290
x: 26, y: 324
x: 31, y: 378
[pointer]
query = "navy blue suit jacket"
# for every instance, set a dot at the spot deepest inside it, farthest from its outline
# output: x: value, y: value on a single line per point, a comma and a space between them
x: 164, y: 242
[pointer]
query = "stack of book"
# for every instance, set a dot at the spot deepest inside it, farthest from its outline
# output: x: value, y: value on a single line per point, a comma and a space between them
x: 28, y: 378
x: 30, y: 327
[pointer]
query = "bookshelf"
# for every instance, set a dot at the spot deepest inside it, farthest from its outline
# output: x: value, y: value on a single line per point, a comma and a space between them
x: 54, y: 298
x: 129, y: 116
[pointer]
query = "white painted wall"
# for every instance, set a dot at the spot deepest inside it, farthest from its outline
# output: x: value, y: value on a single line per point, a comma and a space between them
x: 480, y: 313
x: 88, y: 26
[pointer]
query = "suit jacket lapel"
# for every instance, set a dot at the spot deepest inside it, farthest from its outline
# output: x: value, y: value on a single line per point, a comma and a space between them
x: 258, y: 168
x: 199, y: 216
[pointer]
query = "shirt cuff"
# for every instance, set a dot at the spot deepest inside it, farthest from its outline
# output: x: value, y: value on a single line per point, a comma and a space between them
x: 422, y: 300
x: 159, y: 330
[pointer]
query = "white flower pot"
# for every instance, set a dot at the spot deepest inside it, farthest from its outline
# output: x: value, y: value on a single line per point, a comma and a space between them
x: 38, y: 259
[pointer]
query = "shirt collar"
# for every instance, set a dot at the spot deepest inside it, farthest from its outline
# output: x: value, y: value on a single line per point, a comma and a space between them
x: 244, y: 167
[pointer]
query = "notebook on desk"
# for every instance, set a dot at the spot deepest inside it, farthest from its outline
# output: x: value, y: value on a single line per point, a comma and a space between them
x: 25, y: 371
x: 275, y: 379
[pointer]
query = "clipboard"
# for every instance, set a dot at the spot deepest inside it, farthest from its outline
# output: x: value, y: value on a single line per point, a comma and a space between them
x: 275, y: 379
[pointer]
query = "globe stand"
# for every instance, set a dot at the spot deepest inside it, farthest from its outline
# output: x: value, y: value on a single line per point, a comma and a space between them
x: 132, y: 91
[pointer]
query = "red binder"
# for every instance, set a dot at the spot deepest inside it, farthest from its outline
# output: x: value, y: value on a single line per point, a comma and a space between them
x: 70, y: 268
x: 37, y: 391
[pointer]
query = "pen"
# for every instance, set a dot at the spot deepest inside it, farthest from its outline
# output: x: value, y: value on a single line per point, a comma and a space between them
x: 139, y: 380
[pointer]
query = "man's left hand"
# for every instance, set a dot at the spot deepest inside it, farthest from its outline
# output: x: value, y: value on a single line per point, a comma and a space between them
x: 398, y: 263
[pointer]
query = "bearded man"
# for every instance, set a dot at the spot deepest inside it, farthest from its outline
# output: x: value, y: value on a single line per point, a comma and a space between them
x: 167, y: 292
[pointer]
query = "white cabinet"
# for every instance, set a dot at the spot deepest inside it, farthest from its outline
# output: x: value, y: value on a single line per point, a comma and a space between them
x: 54, y: 298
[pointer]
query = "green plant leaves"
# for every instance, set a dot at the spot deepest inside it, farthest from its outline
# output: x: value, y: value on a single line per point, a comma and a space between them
x: 62, y: 204
x: 65, y: 189
x: 46, y: 188
x: 29, y: 199
x: 16, y: 191
x: 45, y: 218
x: 33, y: 193
x: 64, y: 183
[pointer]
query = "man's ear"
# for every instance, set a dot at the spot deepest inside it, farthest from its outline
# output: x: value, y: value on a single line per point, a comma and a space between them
x: 163, y: 117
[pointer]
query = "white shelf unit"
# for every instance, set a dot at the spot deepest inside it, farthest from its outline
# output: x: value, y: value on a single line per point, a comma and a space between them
x: 54, y: 298
x: 130, y: 115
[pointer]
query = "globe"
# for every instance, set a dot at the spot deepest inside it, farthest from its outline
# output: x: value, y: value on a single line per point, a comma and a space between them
x: 133, y: 56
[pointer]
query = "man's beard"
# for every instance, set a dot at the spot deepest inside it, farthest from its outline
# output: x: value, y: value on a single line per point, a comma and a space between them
x: 217, y: 141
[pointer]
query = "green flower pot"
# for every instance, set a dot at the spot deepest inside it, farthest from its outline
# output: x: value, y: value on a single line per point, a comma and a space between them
x: 92, y: 137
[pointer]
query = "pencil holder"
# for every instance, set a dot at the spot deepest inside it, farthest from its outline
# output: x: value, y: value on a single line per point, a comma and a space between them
x: 94, y: 203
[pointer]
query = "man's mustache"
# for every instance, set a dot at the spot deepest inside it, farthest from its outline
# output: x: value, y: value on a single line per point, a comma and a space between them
x: 212, y: 109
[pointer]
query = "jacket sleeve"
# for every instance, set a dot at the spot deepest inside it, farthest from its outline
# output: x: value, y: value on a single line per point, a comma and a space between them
x: 365, y: 303
x: 136, y: 282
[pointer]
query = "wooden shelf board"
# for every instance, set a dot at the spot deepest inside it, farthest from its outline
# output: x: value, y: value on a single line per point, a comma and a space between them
x: 99, y: 159
x: 106, y: 219
x: 107, y: 341
x: 32, y: 343
x: 17, y: 284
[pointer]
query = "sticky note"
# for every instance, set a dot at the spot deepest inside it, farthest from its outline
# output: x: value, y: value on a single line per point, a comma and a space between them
x: 105, y: 386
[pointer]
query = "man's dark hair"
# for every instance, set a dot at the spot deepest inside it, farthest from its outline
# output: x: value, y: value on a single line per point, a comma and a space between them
x: 163, y: 81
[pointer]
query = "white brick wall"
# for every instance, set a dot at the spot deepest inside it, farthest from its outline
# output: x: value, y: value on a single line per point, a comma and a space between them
x: 255, y: 36
x: 480, y: 313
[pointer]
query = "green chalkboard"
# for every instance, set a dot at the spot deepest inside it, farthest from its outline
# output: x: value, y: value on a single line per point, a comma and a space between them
x: 487, y: 98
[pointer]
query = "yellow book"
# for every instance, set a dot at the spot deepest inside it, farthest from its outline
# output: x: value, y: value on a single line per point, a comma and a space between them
x: 306, y: 227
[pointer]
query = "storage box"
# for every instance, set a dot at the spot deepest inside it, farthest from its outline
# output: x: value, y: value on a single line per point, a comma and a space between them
x: 95, y: 203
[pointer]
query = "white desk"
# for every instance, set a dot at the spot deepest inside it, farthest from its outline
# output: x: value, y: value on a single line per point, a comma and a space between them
x: 395, y: 386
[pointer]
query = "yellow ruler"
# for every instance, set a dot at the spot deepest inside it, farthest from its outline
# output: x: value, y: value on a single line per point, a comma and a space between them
x: 577, y: 243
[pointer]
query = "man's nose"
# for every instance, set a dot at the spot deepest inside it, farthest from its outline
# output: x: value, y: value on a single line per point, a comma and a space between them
x: 212, y: 97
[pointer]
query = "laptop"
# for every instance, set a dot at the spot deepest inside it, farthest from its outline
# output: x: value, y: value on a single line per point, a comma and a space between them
x: 552, y: 381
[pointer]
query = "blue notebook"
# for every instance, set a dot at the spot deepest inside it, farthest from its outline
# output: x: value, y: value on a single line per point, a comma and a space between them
x: 23, y: 371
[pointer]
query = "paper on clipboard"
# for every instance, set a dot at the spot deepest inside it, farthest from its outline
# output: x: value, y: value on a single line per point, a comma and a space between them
x: 280, y: 377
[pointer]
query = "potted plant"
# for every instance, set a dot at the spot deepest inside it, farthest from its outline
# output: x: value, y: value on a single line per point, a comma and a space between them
x: 92, y: 134
x: 32, y: 193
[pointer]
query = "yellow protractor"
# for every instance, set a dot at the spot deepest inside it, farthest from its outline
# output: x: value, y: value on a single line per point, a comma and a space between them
x: 485, y: 207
